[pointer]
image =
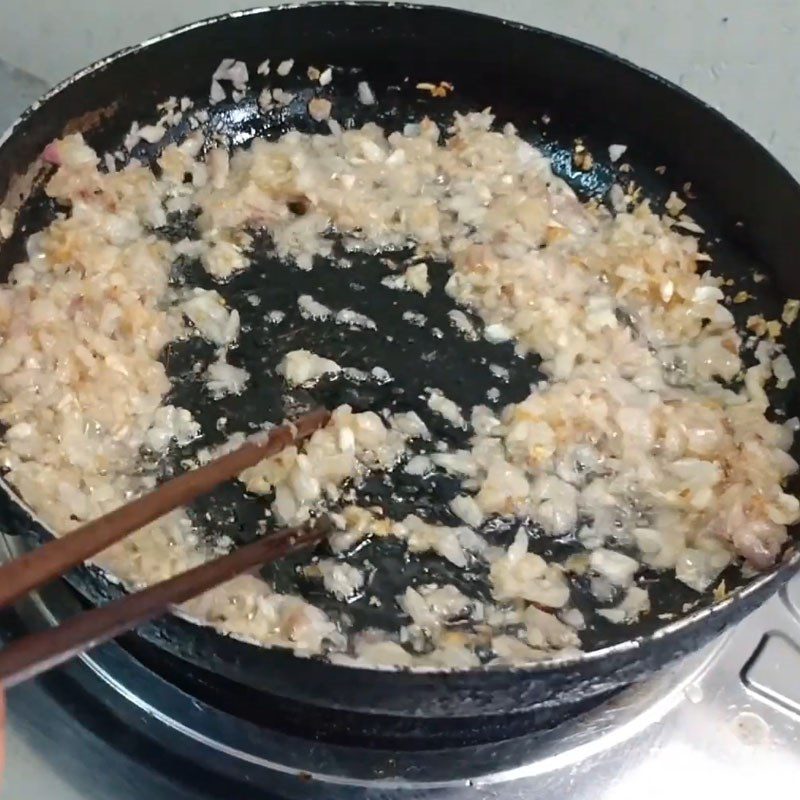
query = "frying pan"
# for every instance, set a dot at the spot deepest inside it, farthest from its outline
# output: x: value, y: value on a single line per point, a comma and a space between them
x: 747, y: 203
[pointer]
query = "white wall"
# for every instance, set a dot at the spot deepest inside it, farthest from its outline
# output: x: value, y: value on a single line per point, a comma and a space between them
x: 748, y: 65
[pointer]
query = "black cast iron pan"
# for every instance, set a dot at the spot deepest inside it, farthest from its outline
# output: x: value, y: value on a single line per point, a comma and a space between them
x: 745, y: 201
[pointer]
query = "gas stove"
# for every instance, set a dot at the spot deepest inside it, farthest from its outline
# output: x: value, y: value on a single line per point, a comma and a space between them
x: 725, y: 720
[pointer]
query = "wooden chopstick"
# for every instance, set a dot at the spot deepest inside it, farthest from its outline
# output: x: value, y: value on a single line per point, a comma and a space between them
x: 37, y: 567
x: 39, y: 652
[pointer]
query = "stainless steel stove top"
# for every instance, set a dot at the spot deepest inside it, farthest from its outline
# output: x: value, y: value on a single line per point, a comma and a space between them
x: 725, y: 722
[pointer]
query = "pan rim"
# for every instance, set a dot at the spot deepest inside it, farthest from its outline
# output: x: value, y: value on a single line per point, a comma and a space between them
x: 778, y: 574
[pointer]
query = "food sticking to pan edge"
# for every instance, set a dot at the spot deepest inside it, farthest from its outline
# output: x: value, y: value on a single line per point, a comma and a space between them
x: 650, y: 435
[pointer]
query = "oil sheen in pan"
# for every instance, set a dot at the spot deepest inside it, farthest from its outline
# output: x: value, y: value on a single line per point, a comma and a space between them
x: 432, y: 354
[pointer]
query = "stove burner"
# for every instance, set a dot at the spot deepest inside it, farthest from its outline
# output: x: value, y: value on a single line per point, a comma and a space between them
x: 131, y: 715
x: 234, y: 724
x: 274, y: 714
